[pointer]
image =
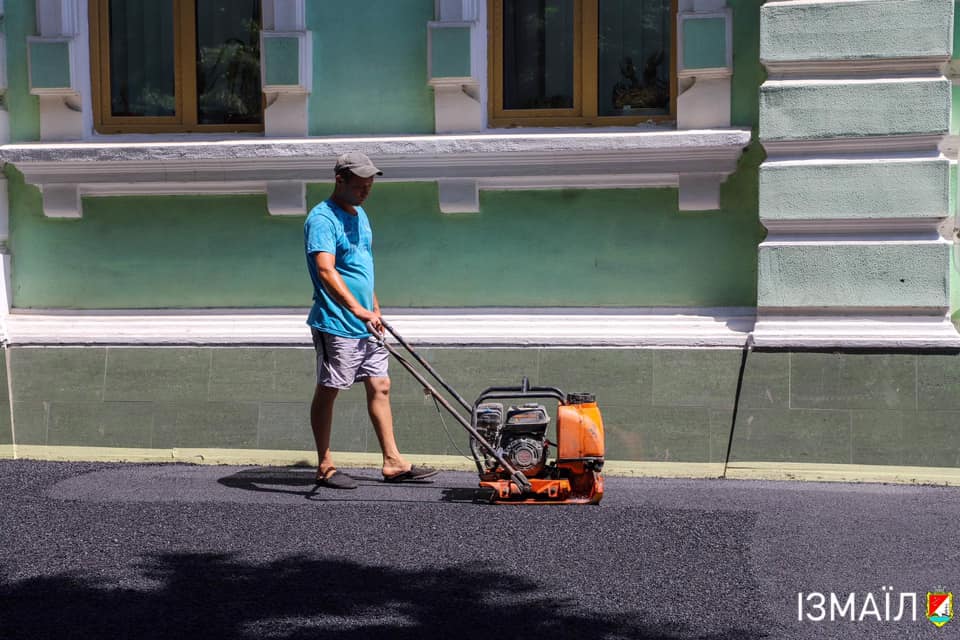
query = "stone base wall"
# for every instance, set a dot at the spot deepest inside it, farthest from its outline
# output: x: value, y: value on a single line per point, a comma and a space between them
x: 659, y: 405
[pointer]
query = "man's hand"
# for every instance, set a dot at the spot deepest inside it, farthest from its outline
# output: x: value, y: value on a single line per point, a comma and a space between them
x: 371, y: 319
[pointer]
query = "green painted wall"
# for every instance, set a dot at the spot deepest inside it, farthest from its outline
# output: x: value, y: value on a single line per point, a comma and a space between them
x: 564, y: 248
x: 704, y: 43
x: 49, y: 65
x: 20, y: 22
x: 383, y: 88
x: 748, y: 73
x: 281, y: 57
x: 450, y: 52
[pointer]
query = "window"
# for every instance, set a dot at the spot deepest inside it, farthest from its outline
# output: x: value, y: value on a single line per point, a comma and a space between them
x: 582, y: 62
x: 176, y: 65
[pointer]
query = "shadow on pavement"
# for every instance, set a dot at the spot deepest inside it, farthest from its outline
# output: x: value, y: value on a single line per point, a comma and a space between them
x: 272, y: 480
x: 213, y: 596
x: 300, y: 482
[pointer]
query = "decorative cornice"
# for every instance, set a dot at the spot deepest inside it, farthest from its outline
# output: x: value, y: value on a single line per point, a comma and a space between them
x: 543, y: 160
x: 401, y: 152
x: 726, y: 327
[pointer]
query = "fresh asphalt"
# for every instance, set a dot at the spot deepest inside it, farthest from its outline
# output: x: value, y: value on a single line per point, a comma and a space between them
x: 178, y: 551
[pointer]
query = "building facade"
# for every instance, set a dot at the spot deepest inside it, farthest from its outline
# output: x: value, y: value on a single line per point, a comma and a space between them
x: 732, y: 220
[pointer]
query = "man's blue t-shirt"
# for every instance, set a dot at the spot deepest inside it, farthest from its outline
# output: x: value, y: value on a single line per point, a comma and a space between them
x: 330, y: 229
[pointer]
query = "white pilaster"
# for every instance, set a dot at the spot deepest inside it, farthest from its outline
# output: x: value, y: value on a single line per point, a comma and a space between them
x: 704, y: 100
x: 286, y: 113
x: 459, y: 103
x: 62, y: 115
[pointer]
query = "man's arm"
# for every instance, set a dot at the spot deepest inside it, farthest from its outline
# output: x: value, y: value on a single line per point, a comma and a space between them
x: 333, y: 283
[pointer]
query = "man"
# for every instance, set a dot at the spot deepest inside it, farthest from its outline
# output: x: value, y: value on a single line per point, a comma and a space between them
x: 338, y: 243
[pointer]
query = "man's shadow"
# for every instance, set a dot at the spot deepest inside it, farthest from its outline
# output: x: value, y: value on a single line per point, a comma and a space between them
x: 301, y: 481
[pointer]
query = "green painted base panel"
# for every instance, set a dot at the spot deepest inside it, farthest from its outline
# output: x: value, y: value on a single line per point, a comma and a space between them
x: 664, y: 406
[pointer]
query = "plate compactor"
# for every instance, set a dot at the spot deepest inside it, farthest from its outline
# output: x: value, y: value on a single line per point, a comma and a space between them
x: 510, y: 446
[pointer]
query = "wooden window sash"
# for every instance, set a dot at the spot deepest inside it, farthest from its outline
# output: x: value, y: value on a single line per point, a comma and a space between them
x: 185, y: 119
x: 586, y: 59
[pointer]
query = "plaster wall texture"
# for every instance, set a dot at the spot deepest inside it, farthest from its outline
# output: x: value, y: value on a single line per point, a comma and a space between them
x: 552, y: 248
x: 370, y: 67
x: 20, y: 22
x: 843, y: 269
x: 855, y: 275
x: 805, y: 109
x: 869, y: 188
x: 817, y: 30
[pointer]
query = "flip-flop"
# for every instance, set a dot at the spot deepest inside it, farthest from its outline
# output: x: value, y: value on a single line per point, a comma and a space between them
x: 337, y: 480
x: 412, y: 474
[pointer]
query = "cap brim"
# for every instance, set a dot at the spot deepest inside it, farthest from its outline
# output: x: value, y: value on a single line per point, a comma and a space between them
x: 367, y: 172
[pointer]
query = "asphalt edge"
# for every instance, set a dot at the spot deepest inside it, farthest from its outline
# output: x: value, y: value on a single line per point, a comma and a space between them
x: 818, y: 472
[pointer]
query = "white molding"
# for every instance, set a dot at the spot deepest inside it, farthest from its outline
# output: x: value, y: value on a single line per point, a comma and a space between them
x: 107, y: 189
x: 534, y: 183
x: 58, y: 17
x: 287, y: 198
x: 459, y: 196
x: 870, y: 69
x: 286, y: 113
x: 460, y: 103
x: 872, y: 331
x: 858, y: 226
x: 61, y: 201
x: 627, y: 159
x: 724, y: 327
x: 550, y: 327
x: 927, y: 236
x: 456, y: 10
x: 782, y: 149
x: 284, y: 15
x: 704, y: 103
x: 700, y: 191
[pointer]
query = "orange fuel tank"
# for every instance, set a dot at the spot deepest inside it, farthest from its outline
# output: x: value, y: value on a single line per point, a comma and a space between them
x: 579, y: 431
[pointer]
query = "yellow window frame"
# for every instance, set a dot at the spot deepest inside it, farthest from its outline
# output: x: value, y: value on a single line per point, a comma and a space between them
x: 586, y: 54
x: 185, y: 78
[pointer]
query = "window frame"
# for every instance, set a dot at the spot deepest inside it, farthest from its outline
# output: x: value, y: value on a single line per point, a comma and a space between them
x: 586, y: 53
x: 185, y: 119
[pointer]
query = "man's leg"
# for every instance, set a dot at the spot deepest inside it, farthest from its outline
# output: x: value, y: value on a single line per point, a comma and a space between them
x: 321, y: 421
x: 378, y: 406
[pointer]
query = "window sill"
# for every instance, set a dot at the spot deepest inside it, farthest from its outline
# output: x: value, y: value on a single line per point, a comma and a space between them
x: 696, y: 162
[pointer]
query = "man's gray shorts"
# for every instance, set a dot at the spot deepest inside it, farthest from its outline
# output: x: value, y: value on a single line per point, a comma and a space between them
x: 343, y: 361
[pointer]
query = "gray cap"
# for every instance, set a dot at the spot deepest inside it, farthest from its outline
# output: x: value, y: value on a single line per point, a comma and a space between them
x: 358, y: 164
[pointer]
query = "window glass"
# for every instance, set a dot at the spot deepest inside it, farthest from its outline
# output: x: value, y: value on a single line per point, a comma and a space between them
x: 633, y: 67
x: 538, y: 54
x: 142, y: 60
x: 228, y: 62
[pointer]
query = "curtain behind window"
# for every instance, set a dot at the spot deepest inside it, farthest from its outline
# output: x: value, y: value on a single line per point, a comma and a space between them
x: 142, y: 58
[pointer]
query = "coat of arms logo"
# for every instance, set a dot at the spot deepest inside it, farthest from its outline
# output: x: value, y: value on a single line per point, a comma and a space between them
x: 940, y: 607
